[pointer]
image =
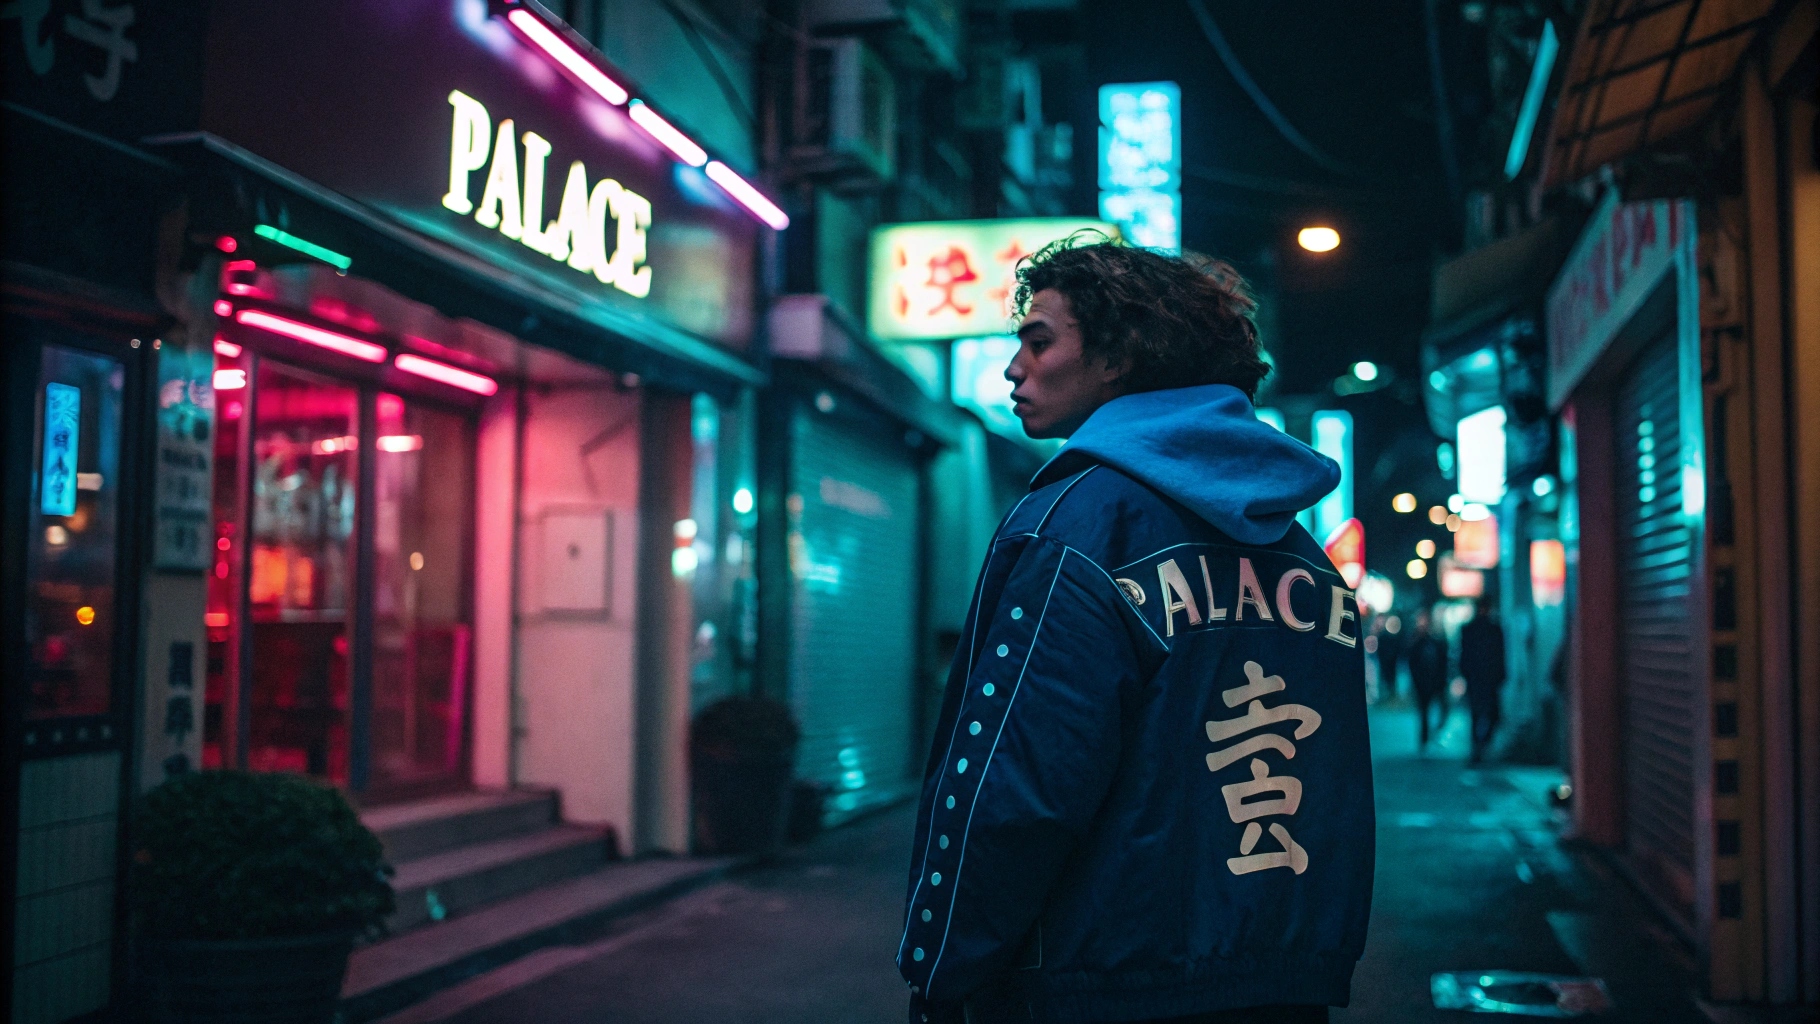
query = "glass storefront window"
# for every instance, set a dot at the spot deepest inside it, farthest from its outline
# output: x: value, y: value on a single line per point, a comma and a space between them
x: 422, y: 639
x: 71, y: 550
x: 300, y: 585
x: 286, y: 676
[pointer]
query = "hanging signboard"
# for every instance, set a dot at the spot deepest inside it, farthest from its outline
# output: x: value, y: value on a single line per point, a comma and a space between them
x: 955, y: 279
x: 1623, y: 253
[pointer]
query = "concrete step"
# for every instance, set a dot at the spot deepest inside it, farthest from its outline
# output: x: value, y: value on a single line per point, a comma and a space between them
x: 389, y: 975
x: 424, y: 827
x: 455, y: 881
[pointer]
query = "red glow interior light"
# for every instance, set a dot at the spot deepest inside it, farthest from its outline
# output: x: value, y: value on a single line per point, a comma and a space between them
x: 446, y: 374
x: 230, y: 380
x: 215, y: 620
x: 331, y: 340
x: 679, y: 145
x: 745, y: 195
x: 559, y: 50
x: 399, y: 442
x: 225, y: 348
x: 224, y: 308
x: 227, y: 243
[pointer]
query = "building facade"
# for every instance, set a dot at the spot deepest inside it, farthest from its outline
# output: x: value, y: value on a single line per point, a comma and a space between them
x: 452, y: 428
x: 1675, y: 345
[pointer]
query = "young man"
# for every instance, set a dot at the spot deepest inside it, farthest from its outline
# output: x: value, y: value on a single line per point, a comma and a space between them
x: 1149, y: 796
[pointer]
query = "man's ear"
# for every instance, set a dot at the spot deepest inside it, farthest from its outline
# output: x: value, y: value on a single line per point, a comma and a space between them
x: 1110, y: 372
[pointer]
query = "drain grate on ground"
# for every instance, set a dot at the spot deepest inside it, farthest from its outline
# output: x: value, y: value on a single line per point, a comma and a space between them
x: 1520, y: 993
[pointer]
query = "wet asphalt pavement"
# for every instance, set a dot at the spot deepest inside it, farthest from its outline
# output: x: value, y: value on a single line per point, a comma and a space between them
x: 1470, y: 876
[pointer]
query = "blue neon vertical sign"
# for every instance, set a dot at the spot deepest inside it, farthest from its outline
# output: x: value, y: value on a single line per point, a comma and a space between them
x: 1141, y: 162
x: 62, y: 426
x: 1332, y: 430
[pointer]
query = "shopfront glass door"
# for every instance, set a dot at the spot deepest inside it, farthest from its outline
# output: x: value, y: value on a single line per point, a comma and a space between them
x: 301, y: 571
x: 422, y: 642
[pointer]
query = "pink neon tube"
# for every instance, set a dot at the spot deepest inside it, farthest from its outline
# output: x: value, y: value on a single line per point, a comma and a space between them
x: 331, y: 340
x: 446, y: 374
x: 747, y: 196
x: 551, y: 42
x: 680, y: 145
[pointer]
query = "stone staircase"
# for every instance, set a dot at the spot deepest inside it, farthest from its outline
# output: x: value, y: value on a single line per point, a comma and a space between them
x: 484, y: 878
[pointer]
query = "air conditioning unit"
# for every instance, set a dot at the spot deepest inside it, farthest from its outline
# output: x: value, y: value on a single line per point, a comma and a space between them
x: 848, y: 134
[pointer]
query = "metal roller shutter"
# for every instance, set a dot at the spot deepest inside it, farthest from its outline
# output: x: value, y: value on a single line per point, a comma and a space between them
x: 1658, y: 659
x: 853, y: 565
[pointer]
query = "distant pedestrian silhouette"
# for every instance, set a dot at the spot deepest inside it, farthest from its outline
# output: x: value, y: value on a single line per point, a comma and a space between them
x: 1482, y: 663
x: 1427, y: 658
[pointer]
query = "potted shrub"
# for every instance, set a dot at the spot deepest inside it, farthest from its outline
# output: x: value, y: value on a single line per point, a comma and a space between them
x: 742, y: 751
x: 248, y: 891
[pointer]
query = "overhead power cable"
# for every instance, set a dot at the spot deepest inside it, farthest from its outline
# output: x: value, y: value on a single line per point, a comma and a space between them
x: 1295, y: 138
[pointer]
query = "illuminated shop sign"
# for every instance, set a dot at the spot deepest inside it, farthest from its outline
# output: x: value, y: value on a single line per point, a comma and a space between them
x: 1332, y: 429
x: 1480, y: 443
x: 1141, y: 161
x: 955, y: 279
x: 979, y: 382
x: 578, y: 234
x: 529, y: 165
x: 62, y: 427
x: 1622, y: 254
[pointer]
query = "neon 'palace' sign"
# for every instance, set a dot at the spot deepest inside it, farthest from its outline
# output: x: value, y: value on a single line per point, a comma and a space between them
x: 512, y: 203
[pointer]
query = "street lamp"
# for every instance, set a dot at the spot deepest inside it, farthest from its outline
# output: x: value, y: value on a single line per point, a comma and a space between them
x: 1318, y: 239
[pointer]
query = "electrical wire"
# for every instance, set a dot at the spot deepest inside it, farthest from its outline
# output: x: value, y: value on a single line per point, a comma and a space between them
x: 1295, y: 138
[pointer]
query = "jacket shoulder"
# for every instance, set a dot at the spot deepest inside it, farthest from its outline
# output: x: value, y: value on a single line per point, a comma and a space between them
x: 1099, y: 511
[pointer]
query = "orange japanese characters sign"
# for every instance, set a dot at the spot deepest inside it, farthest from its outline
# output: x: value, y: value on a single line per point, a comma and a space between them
x: 955, y: 279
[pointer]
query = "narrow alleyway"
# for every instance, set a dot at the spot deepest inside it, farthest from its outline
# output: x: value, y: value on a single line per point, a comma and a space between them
x: 1470, y: 877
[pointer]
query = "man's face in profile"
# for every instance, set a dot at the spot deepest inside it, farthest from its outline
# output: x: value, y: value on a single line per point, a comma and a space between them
x: 1054, y: 386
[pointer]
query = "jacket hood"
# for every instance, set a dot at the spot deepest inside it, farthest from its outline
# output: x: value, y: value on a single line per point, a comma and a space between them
x: 1205, y: 447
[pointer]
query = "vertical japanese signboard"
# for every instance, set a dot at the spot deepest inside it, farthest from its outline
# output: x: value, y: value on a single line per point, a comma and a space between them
x: 955, y: 279
x: 186, y: 406
x: 1141, y: 162
x: 62, y: 433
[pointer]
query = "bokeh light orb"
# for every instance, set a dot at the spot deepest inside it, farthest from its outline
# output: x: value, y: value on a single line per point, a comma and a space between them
x: 1318, y: 239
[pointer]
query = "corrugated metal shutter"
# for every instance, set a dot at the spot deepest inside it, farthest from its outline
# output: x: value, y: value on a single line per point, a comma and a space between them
x: 1658, y: 659
x: 853, y: 548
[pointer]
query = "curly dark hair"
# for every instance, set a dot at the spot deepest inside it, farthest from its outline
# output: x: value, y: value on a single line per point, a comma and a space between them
x: 1171, y: 321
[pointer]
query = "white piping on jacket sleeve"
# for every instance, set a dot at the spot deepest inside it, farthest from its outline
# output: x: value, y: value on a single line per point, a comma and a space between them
x: 979, y: 588
x: 1010, y: 705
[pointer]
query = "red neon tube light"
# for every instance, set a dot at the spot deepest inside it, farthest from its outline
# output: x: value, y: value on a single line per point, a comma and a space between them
x: 331, y: 340
x: 226, y: 348
x: 446, y: 374
x: 551, y: 42
x: 747, y: 196
x: 680, y: 145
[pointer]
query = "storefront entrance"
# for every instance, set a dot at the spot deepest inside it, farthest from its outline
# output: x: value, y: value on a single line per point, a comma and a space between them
x: 339, y: 625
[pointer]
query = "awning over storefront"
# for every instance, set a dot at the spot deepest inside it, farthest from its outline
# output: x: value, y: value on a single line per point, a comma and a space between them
x: 810, y: 330
x: 1482, y: 303
x: 229, y: 183
x: 1640, y: 71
